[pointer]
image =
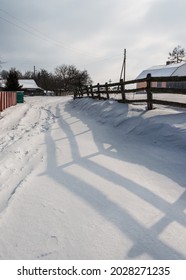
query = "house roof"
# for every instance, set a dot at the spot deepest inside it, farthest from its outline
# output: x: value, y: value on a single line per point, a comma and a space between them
x: 25, y: 83
x: 28, y: 84
x: 174, y: 69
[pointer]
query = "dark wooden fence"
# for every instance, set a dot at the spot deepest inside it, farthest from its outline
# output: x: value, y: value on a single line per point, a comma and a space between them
x: 107, y: 90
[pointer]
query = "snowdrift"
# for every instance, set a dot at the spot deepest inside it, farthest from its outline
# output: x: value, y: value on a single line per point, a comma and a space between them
x: 163, y: 126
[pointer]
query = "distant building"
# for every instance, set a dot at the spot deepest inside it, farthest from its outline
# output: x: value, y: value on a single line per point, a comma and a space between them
x: 1, y: 86
x: 29, y: 87
x: 174, y: 69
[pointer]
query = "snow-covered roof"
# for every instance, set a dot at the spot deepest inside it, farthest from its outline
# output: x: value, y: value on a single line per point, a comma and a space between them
x: 28, y: 83
x: 25, y: 83
x: 174, y: 69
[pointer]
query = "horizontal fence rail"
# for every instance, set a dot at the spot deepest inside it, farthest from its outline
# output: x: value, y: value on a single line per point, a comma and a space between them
x: 7, y: 99
x: 173, y: 84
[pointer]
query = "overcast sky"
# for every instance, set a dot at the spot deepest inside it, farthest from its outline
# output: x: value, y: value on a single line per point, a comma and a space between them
x: 90, y: 34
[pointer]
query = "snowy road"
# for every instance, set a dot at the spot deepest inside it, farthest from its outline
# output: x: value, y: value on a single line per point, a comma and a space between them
x: 78, y: 184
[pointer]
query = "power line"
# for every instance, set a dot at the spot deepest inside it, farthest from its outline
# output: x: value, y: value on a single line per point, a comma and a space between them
x: 18, y: 26
x: 41, y: 35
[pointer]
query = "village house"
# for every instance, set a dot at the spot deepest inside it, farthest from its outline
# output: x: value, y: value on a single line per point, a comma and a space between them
x: 29, y: 87
x: 168, y: 70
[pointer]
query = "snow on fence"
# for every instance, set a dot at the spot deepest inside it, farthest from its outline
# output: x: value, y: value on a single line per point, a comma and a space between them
x: 7, y: 99
x: 106, y: 91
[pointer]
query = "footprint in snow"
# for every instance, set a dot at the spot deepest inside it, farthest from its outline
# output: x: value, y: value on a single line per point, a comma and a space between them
x: 52, y: 242
x: 51, y: 247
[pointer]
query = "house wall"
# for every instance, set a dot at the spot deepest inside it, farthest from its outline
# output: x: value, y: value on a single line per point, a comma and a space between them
x: 141, y: 85
x: 29, y: 91
x: 164, y: 71
x: 144, y: 84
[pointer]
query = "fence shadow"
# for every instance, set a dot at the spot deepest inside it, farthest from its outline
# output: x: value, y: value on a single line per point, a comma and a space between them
x: 145, y: 239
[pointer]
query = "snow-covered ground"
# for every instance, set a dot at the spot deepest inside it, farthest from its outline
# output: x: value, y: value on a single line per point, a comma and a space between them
x: 88, y: 179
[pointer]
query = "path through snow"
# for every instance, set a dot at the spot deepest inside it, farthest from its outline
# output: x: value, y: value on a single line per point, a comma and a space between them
x: 90, y: 179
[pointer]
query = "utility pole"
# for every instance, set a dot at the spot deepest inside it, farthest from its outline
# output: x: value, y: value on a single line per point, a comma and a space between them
x: 122, y: 80
x: 123, y: 69
x: 34, y: 72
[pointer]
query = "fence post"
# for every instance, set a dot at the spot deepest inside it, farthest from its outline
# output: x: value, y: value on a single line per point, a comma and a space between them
x: 91, y: 91
x: 149, y: 93
x: 122, y: 90
x: 80, y: 90
x: 98, y: 86
x: 107, y: 90
x: 75, y: 94
x: 87, y: 90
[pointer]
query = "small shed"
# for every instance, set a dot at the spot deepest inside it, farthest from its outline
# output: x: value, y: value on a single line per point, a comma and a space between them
x: 30, y: 87
x: 174, y: 69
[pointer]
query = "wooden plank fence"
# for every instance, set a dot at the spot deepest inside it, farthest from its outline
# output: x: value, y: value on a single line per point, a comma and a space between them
x: 7, y: 99
x: 105, y: 91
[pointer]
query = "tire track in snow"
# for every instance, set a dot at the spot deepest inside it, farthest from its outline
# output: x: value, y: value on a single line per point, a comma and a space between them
x: 21, y: 146
x: 15, y: 180
x: 37, y: 118
x: 24, y: 126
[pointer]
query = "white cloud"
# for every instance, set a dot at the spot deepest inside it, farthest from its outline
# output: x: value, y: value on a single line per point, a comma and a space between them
x: 90, y: 34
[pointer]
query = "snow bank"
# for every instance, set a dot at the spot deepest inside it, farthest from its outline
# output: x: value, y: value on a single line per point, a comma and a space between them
x: 163, y: 126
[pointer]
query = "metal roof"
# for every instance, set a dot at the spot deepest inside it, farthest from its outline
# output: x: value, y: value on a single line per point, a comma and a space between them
x: 174, y: 69
x: 28, y: 84
x: 25, y: 83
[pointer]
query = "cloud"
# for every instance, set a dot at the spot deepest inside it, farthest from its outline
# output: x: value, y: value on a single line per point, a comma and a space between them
x: 90, y: 34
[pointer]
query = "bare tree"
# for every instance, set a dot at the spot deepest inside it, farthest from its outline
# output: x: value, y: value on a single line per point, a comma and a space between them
x: 45, y: 80
x: 70, y: 78
x: 4, y: 74
x: 177, y: 55
x: 28, y: 75
x: 64, y: 78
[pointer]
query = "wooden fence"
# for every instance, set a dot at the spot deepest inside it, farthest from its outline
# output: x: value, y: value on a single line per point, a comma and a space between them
x: 7, y: 99
x: 106, y: 91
